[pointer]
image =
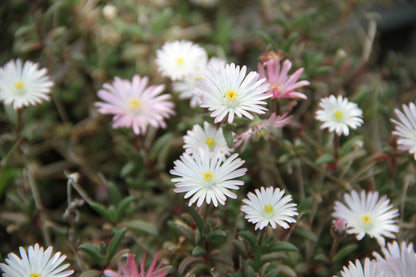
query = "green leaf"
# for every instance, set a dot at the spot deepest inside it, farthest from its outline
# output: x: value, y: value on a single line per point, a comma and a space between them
x: 94, y: 252
x: 159, y: 144
x: 187, y: 262
x: 321, y: 257
x: 289, y: 42
x: 122, y: 206
x: 273, y: 273
x: 324, y: 159
x: 267, y: 39
x: 228, y: 135
x: 115, y: 194
x: 217, y: 234
x: 305, y: 233
x: 344, y: 252
x: 349, y: 144
x: 197, y: 218
x: 7, y: 175
x: 184, y: 229
x: 128, y: 169
x: 282, y: 246
x: 252, y: 240
x: 91, y: 273
x: 198, y: 251
x: 101, y: 209
x: 114, y: 243
x: 141, y: 226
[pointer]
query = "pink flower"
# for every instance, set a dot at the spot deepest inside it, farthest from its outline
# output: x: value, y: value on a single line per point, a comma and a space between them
x: 135, y: 105
x: 282, y: 85
x: 130, y: 270
x: 262, y: 129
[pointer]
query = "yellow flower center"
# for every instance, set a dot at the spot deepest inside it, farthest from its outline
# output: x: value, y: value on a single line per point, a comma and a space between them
x: 268, y: 209
x: 134, y: 103
x: 19, y: 85
x: 210, y: 142
x: 338, y: 115
x: 261, y: 133
x: 366, y: 219
x: 207, y: 176
x: 179, y: 60
x: 275, y: 86
x: 231, y: 95
x: 34, y: 275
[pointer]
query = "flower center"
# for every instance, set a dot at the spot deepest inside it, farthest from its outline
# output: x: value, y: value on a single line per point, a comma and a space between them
x: 34, y: 275
x: 179, y: 60
x: 261, y: 133
x: 338, y: 115
x: 268, y: 209
x: 231, y: 95
x: 207, y: 176
x: 366, y: 219
x: 134, y: 103
x: 272, y: 87
x: 210, y: 142
x: 19, y: 85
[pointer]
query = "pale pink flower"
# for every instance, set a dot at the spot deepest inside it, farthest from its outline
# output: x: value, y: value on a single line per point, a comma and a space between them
x: 406, y: 128
x: 282, y: 85
x: 135, y: 105
x: 399, y: 260
x: 263, y: 129
x: 130, y: 270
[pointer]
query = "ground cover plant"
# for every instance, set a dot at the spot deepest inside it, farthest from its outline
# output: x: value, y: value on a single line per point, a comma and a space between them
x: 206, y: 138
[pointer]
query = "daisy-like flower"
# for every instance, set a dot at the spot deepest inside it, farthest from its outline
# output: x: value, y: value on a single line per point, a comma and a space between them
x: 338, y: 114
x: 24, y: 84
x: 227, y: 91
x: 269, y: 206
x: 131, y: 269
x: 263, y: 129
x: 365, y: 213
x: 178, y: 59
x: 209, y: 135
x: 282, y: 85
x: 406, y: 128
x: 36, y: 262
x: 206, y: 176
x: 135, y: 105
x: 186, y: 86
x: 399, y: 260
x: 370, y: 269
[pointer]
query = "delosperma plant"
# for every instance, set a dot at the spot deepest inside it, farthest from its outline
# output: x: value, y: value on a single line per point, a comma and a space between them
x: 206, y: 138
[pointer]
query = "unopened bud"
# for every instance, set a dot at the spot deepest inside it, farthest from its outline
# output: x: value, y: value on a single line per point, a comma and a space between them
x: 339, y: 229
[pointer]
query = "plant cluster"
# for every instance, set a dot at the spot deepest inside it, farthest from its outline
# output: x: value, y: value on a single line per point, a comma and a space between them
x: 195, y: 138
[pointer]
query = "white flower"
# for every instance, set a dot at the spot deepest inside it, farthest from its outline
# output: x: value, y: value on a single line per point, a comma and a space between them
x: 186, y: 86
x: 179, y: 59
x: 370, y: 269
x: 206, y: 176
x: 227, y: 91
x: 24, y: 84
x: 268, y: 206
x: 406, y: 128
x: 399, y: 260
x: 338, y: 114
x: 366, y: 214
x: 210, y: 135
x: 35, y: 263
